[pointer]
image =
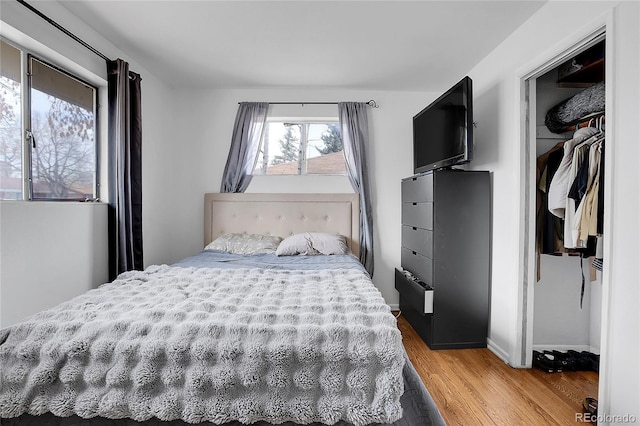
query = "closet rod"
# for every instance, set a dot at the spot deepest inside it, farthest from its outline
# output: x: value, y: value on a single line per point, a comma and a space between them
x: 63, y: 29
x: 371, y: 103
x: 585, y: 121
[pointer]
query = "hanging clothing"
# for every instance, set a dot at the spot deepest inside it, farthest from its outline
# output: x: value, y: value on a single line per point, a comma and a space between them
x: 581, y: 182
x: 581, y: 220
x: 567, y: 173
x: 569, y: 182
x: 580, y: 153
x: 600, y: 201
x: 549, y: 226
x: 559, y: 187
x: 588, y: 224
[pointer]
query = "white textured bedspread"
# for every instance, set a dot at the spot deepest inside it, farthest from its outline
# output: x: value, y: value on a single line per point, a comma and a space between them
x: 208, y: 344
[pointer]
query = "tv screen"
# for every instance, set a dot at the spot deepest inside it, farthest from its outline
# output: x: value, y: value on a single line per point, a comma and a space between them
x: 443, y: 131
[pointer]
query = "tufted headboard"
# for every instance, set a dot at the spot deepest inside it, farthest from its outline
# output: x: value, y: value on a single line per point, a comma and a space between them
x: 282, y: 215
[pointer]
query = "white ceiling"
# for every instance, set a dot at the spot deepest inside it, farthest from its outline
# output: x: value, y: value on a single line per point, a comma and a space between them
x: 380, y: 45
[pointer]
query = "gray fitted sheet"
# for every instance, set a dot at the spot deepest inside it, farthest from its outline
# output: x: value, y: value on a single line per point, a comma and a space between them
x: 221, y: 259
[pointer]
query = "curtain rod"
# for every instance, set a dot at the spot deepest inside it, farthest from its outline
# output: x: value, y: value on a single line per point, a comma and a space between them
x: 63, y: 29
x: 371, y: 103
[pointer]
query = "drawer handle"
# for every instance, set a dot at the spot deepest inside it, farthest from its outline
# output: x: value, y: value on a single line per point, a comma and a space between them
x: 415, y: 204
x: 414, y: 253
x: 415, y: 229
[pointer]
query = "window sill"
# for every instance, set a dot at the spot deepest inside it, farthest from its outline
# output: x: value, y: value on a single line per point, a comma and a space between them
x: 53, y: 202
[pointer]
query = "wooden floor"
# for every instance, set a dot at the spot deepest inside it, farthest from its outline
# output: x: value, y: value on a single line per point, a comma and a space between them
x: 475, y: 387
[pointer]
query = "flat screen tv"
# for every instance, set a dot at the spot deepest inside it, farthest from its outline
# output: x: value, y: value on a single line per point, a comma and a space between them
x: 443, y: 131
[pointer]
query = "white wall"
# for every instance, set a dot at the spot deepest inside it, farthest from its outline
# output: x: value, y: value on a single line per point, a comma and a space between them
x: 497, y: 110
x: 20, y: 282
x: 559, y: 321
x: 49, y: 253
x: 207, y: 118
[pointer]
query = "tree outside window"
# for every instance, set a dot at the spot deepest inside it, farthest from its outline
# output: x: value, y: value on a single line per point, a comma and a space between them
x: 301, y: 148
x: 59, y: 135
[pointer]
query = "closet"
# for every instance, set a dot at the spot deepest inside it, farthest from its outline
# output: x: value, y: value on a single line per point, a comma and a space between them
x: 568, y: 283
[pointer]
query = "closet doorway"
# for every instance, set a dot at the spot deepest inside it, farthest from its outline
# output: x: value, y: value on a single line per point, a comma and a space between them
x: 561, y: 307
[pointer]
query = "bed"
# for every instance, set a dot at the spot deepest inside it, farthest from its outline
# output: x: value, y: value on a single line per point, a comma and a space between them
x: 242, y: 333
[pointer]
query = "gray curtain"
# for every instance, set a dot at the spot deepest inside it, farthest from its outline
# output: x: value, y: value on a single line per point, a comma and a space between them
x: 247, y: 133
x: 125, y: 168
x: 354, y: 126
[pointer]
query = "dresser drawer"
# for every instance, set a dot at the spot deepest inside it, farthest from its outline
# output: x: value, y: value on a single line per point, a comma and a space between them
x: 419, y: 215
x: 418, y: 189
x: 419, y: 265
x: 417, y: 297
x: 418, y: 240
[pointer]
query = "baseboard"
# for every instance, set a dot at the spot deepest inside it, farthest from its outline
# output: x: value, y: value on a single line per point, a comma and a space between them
x: 498, y: 351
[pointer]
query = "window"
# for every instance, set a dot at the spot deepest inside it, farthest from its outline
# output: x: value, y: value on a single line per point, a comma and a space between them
x: 47, y: 131
x: 301, y: 148
x: 10, y: 123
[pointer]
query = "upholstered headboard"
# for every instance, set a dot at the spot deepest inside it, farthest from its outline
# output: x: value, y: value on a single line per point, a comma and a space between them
x: 282, y: 215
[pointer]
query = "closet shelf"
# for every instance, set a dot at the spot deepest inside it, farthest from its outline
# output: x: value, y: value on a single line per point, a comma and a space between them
x: 584, y: 70
x: 586, y: 76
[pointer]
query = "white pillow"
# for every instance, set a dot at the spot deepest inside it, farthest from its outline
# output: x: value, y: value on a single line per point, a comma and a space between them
x: 245, y: 243
x: 313, y: 243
